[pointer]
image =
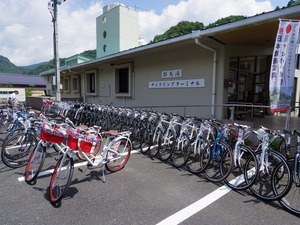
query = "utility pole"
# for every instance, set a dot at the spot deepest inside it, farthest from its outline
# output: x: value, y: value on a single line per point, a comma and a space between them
x: 56, y: 55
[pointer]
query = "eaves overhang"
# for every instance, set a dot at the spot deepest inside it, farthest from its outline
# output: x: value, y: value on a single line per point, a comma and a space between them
x: 258, y: 30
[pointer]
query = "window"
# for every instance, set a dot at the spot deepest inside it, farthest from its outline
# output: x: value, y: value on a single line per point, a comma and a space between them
x: 104, y: 34
x: 91, y: 80
x: 123, y: 80
x: 66, y: 84
x: 104, y: 20
x: 75, y: 86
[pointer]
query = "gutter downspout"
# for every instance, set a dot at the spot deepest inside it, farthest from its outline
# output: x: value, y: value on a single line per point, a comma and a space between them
x: 213, y: 91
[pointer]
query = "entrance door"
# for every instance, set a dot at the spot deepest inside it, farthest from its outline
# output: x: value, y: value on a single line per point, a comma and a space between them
x: 250, y: 85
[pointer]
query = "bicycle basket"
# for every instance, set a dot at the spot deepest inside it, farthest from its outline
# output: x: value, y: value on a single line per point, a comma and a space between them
x: 83, y: 141
x: 53, y: 133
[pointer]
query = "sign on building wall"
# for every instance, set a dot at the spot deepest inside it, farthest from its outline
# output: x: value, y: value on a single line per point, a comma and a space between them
x: 171, y: 73
x: 191, y: 83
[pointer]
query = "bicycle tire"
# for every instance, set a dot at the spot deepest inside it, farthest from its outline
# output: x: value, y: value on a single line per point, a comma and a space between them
x: 4, y: 127
x: 199, y: 151
x: 61, y: 179
x: 182, y: 151
x: 16, y: 150
x: 118, y: 154
x: 263, y: 186
x: 146, y: 138
x: 282, y: 147
x: 237, y: 178
x: 166, y: 145
x: 291, y: 201
x: 218, y: 161
x: 154, y: 146
x: 12, y: 133
x: 35, y: 163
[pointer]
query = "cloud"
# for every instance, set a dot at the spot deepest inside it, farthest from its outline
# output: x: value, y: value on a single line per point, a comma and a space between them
x: 204, y: 11
x: 26, y: 30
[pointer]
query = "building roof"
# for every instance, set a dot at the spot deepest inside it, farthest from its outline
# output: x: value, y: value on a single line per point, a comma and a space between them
x: 252, y: 31
x: 78, y: 56
x: 20, y: 79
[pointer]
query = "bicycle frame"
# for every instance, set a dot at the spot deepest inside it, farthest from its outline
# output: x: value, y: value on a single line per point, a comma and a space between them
x: 205, y: 126
x: 243, y: 133
x: 265, y: 143
x: 102, y: 158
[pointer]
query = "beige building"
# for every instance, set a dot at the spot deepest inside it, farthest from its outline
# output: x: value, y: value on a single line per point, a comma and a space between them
x: 194, y: 74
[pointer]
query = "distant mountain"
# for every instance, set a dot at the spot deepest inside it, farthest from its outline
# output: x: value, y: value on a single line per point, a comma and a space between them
x: 31, y: 67
x: 8, y: 67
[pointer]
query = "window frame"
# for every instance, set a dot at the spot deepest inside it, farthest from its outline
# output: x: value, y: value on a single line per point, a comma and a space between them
x: 88, y: 83
x: 117, y: 71
x: 66, y: 80
x: 77, y: 83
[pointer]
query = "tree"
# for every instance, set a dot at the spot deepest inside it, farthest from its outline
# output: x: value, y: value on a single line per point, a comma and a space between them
x: 186, y: 27
x: 183, y: 27
x: 225, y: 20
x: 90, y: 53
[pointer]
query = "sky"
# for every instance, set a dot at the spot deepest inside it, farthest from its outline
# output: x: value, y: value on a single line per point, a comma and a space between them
x: 26, y: 28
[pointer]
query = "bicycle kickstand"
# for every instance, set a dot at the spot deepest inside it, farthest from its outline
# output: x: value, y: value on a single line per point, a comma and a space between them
x: 103, y: 173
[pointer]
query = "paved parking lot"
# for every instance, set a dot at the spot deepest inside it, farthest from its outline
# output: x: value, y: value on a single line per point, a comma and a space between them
x: 145, y: 192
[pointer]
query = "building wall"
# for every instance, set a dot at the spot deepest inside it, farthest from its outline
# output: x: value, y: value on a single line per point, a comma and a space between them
x: 194, y: 61
x: 117, y: 30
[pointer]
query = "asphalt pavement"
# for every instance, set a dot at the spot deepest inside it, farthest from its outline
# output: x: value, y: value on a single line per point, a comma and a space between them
x: 145, y: 192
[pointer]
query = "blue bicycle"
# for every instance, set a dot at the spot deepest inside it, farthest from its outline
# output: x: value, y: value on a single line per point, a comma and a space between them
x: 219, y: 164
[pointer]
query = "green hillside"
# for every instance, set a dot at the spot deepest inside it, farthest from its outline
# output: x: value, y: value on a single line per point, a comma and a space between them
x: 8, y: 67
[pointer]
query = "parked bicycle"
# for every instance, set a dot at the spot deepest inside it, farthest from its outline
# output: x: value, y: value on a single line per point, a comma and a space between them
x: 114, y: 156
x: 291, y: 201
x: 271, y: 163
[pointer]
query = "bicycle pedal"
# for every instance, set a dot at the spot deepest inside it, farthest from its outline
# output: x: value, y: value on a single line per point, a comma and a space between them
x: 82, y: 170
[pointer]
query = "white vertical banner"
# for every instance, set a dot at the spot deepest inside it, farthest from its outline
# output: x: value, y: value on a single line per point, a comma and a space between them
x: 283, y: 65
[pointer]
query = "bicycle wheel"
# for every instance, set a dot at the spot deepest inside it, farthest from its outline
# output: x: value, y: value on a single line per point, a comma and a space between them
x: 182, y: 151
x: 282, y: 147
x: 16, y: 150
x: 154, y: 147
x: 118, y: 154
x: 146, y: 138
x: 35, y: 163
x: 291, y: 201
x: 244, y: 164
x: 166, y: 145
x: 12, y: 133
x: 4, y: 127
x: 199, y: 150
x: 220, y: 162
x: 264, y: 185
x: 61, y: 178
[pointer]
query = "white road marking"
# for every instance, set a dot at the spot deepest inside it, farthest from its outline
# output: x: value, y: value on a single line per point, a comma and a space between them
x: 186, y: 212
x: 47, y: 172
x: 195, y: 207
x: 203, y: 202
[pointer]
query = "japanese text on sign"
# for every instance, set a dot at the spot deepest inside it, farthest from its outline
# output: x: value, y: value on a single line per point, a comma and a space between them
x: 171, y: 73
x: 192, y: 83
